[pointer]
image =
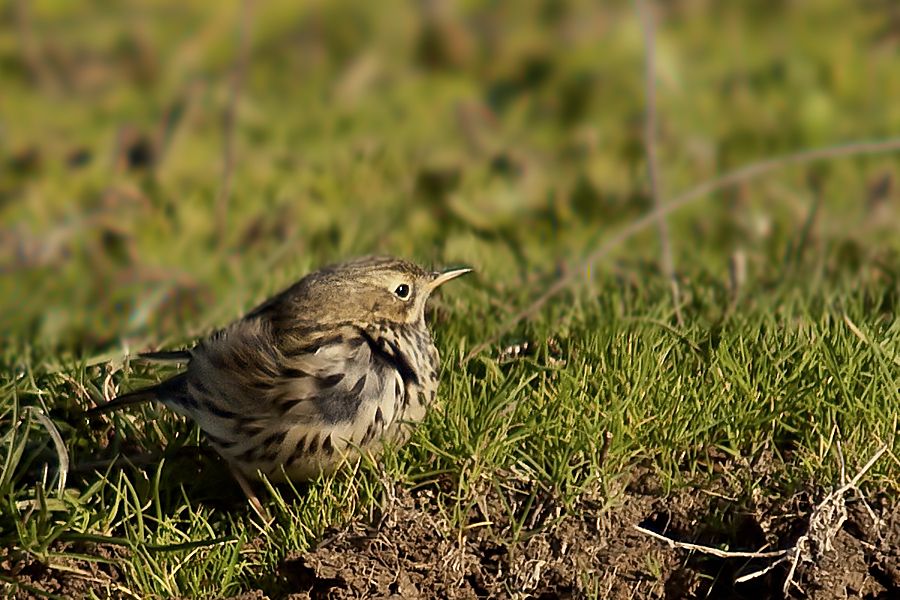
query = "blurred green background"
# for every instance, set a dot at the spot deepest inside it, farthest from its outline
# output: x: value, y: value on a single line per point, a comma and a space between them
x: 506, y: 135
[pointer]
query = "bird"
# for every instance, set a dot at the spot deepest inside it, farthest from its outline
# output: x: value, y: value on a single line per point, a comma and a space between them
x: 338, y: 364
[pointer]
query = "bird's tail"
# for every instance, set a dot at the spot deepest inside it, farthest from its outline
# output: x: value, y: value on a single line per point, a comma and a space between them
x: 171, y: 388
x: 182, y: 356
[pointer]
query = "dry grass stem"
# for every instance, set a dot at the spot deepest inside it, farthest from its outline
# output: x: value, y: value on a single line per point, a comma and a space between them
x: 228, y: 127
x: 708, y: 549
x: 648, y: 23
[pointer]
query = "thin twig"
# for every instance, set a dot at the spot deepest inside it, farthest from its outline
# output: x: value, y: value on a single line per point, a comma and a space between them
x: 237, y: 81
x: 667, y: 262
x: 710, y: 550
x: 723, y: 182
x: 761, y: 572
x: 840, y: 453
x: 859, y: 475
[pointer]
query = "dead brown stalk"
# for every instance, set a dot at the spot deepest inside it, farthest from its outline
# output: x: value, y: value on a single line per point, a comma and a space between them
x: 238, y: 75
x: 651, y: 119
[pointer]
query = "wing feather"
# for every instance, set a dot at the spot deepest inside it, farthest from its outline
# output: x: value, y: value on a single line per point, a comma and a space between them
x: 244, y: 371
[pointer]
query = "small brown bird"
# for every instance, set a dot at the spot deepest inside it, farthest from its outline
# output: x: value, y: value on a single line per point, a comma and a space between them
x: 334, y: 365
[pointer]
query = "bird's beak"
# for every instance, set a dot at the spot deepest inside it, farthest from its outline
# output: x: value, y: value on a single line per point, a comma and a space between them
x: 440, y: 278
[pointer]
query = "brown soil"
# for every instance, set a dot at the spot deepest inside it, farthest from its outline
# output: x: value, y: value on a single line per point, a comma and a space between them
x: 34, y: 579
x: 591, y: 550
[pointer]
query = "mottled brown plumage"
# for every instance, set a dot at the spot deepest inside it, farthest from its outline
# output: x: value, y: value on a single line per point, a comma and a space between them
x: 338, y: 363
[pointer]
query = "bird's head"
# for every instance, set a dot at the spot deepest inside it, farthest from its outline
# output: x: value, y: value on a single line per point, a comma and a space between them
x: 377, y: 289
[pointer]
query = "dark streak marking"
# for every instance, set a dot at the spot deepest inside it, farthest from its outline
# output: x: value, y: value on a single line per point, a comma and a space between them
x: 392, y: 356
x: 214, y: 409
x: 338, y: 404
x: 327, y: 447
x: 187, y: 401
x: 287, y: 405
x: 293, y: 373
x: 269, y: 456
x: 298, y: 452
x: 370, y: 434
x: 275, y: 439
x: 263, y: 385
x: 358, y: 386
x: 331, y: 380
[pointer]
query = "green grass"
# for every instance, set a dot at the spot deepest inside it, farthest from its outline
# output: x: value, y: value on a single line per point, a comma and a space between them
x: 513, y: 145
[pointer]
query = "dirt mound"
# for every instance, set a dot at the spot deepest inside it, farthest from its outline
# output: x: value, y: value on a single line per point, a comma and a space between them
x: 595, y: 551
x: 71, y: 577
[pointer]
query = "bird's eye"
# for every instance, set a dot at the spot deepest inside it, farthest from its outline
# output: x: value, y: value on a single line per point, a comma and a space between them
x: 402, y: 291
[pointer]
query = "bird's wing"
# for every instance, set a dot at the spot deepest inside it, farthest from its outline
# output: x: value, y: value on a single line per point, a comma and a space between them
x: 254, y: 374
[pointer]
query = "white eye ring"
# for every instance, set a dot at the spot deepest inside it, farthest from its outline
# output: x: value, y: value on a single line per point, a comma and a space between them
x: 402, y: 291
